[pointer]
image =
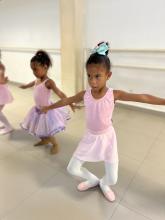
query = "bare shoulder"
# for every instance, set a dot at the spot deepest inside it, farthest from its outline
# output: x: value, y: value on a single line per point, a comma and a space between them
x: 50, y: 84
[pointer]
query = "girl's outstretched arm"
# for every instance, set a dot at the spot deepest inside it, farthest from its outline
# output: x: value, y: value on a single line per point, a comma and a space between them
x: 50, y: 84
x: 25, y: 86
x: 65, y: 101
x: 145, y: 98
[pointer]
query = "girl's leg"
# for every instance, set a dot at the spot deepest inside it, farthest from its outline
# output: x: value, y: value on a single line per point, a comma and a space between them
x: 43, y: 141
x: 75, y: 168
x: 110, y: 178
x: 7, y: 126
x: 52, y: 140
x: 55, y: 148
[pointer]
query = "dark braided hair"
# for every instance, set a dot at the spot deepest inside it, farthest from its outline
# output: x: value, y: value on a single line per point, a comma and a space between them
x: 97, y: 58
x: 42, y: 58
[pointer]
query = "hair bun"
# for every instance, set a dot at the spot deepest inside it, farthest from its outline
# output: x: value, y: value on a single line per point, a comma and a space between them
x: 42, y: 57
x: 40, y: 53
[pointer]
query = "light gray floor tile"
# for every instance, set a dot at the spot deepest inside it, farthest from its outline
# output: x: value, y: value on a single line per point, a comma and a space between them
x: 125, y: 213
x: 135, y: 145
x: 20, y: 176
x: 146, y: 194
x: 156, y: 154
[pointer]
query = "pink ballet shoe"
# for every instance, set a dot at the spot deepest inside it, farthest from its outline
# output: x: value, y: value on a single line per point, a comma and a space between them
x: 5, y: 131
x: 108, y: 193
x: 86, y: 185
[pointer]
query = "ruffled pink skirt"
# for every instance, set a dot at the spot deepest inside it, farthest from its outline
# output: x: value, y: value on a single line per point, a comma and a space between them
x: 5, y: 95
x: 45, y: 124
x: 98, y: 146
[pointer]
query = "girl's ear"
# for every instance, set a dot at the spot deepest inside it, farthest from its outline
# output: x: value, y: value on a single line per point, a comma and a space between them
x: 45, y: 66
x: 109, y: 74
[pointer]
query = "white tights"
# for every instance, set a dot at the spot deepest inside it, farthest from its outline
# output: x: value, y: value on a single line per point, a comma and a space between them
x: 3, y: 119
x: 111, y: 172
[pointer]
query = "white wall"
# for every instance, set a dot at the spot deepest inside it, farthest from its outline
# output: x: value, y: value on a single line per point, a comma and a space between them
x: 30, y: 23
x: 126, y: 24
x: 27, y: 26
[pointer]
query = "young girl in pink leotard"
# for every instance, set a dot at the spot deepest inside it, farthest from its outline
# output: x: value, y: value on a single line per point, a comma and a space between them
x: 99, y: 142
x: 44, y: 126
x: 5, y: 98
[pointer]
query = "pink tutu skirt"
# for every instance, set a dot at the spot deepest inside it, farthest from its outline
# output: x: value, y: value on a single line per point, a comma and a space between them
x: 45, y: 124
x: 98, y: 146
x: 5, y: 95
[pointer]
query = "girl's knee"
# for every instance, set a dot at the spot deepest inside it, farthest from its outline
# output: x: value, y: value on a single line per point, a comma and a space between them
x: 71, y: 169
x: 74, y: 166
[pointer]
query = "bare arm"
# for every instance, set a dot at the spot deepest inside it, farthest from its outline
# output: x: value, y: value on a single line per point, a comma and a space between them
x: 65, y: 101
x: 25, y: 86
x: 144, y: 98
x: 50, y: 84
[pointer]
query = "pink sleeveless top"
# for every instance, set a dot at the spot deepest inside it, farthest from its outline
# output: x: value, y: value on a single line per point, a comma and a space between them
x: 99, y: 142
x: 99, y: 111
x: 41, y: 94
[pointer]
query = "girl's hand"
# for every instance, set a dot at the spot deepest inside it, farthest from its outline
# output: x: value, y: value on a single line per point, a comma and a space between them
x: 22, y: 86
x: 74, y: 107
x: 44, y: 109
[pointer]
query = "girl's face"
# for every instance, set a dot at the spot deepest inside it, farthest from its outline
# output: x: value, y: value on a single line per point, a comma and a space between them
x: 97, y: 76
x: 40, y: 71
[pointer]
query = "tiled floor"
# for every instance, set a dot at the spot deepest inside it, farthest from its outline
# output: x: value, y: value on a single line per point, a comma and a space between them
x: 34, y: 185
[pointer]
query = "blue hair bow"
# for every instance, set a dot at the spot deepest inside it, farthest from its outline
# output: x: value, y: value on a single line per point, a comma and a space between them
x: 101, y: 49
